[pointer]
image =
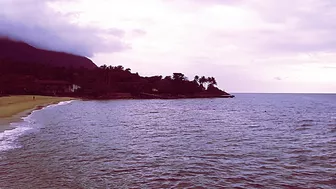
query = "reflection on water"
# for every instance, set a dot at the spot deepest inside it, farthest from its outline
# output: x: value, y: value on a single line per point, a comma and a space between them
x: 252, y: 141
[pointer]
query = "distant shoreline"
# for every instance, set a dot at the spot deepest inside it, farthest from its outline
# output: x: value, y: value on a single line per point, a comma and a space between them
x: 141, y: 96
x: 14, y: 108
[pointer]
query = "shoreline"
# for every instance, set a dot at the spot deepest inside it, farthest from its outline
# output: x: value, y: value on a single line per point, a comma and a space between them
x: 14, y: 108
x: 144, y: 96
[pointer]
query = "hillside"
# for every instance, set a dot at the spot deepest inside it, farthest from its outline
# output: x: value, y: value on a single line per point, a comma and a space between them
x: 20, y: 52
x: 26, y: 70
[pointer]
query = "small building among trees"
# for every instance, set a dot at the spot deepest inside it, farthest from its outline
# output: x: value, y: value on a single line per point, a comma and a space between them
x: 56, y: 87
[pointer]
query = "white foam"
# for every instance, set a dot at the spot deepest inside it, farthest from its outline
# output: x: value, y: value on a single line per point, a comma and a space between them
x: 66, y: 102
x: 8, y: 138
x: 58, y: 104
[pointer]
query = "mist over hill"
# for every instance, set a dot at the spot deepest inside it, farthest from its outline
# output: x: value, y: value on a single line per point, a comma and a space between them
x: 20, y: 52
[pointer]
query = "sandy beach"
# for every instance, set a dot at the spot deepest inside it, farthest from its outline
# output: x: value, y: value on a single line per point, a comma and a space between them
x: 13, y: 108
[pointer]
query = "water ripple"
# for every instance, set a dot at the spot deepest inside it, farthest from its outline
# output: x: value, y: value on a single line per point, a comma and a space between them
x: 252, y: 141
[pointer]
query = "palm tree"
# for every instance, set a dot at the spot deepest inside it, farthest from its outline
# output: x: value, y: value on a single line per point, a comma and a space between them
x: 105, y: 72
x: 196, y: 79
x: 213, y: 81
x: 202, y: 80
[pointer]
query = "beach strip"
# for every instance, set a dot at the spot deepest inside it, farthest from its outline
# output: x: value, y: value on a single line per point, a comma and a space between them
x: 13, y: 108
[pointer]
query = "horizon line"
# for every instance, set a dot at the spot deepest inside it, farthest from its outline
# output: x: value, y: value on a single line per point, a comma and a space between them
x: 330, y: 93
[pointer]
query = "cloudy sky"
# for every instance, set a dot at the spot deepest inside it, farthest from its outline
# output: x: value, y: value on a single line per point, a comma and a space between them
x: 248, y: 45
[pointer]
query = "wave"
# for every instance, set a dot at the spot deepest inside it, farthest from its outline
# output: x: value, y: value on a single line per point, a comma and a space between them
x: 54, y: 105
x: 8, y: 138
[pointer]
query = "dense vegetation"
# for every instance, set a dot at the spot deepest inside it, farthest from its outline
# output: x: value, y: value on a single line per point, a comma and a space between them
x: 25, y: 69
x: 103, y: 82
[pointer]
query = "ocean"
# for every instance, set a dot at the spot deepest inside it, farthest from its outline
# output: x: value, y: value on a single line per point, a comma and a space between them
x: 251, y: 141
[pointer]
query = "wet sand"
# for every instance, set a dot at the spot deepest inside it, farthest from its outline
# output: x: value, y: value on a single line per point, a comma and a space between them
x: 13, y: 108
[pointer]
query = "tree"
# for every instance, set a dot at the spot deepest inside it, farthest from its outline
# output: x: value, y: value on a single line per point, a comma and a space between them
x: 168, y: 78
x: 211, y: 80
x: 202, y: 80
x: 196, y: 79
x: 179, y: 77
x: 104, y: 67
x: 121, y: 68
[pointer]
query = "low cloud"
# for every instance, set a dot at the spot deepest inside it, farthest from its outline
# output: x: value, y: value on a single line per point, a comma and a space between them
x: 40, y: 26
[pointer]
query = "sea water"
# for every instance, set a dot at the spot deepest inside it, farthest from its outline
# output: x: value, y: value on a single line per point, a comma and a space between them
x: 251, y: 141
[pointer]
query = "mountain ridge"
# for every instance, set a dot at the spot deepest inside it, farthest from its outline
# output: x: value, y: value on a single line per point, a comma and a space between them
x: 21, y: 52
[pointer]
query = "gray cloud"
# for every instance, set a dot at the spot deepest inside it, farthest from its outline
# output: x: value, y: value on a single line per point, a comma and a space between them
x: 307, y: 26
x: 300, y: 26
x: 278, y: 78
x: 42, y: 27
